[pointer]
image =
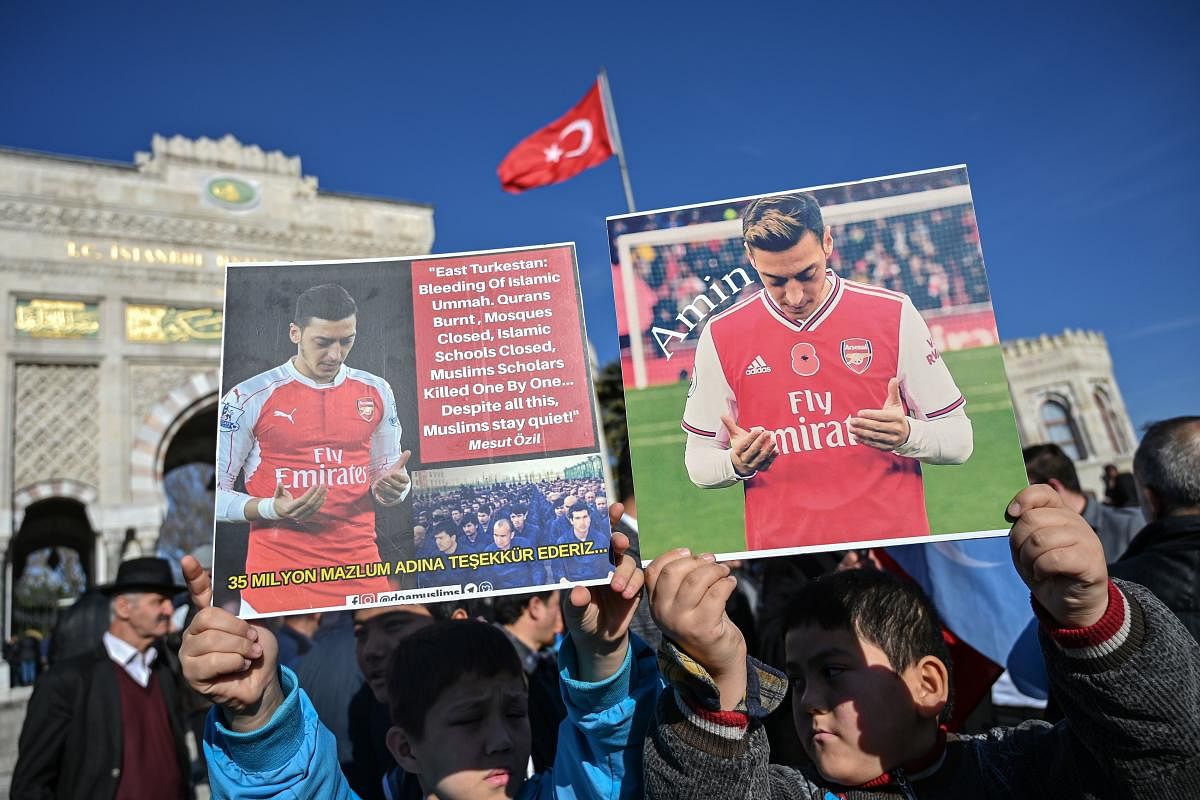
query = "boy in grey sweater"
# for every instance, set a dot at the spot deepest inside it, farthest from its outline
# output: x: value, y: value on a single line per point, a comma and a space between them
x: 871, y: 679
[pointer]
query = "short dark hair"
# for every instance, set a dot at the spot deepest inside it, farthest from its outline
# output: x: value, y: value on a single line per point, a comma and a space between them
x: 779, y: 222
x: 445, y: 525
x: 1046, y: 461
x: 484, y: 508
x: 577, y: 508
x: 890, y: 613
x: 1168, y: 463
x: 327, y: 301
x: 435, y: 658
x: 518, y: 508
x: 509, y: 607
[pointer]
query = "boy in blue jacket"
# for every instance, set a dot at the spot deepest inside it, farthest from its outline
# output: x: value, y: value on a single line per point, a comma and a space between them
x: 458, y: 705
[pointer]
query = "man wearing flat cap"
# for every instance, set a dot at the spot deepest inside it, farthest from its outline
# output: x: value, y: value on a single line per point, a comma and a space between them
x: 106, y: 724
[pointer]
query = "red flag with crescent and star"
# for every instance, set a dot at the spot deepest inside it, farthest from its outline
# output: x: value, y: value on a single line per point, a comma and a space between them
x: 572, y: 143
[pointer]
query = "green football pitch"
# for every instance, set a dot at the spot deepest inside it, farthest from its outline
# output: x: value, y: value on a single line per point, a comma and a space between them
x: 673, y: 512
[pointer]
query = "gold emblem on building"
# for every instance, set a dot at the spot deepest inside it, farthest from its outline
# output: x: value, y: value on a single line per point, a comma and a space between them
x: 160, y: 324
x: 232, y: 193
x: 57, y: 319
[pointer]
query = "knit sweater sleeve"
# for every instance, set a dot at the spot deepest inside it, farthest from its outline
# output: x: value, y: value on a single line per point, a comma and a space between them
x: 696, y: 750
x: 1129, y: 687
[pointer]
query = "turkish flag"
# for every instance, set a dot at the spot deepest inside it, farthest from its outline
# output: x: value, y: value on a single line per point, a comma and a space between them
x: 572, y: 143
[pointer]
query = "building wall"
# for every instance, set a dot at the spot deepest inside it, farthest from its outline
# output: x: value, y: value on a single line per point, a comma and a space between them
x: 1072, y: 371
x: 111, y: 285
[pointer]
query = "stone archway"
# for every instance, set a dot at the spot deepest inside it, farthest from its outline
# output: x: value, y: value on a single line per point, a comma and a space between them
x: 55, y: 530
x: 44, y: 490
x: 150, y: 444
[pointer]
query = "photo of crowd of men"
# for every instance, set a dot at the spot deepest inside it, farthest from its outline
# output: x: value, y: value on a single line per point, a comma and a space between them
x: 532, y: 523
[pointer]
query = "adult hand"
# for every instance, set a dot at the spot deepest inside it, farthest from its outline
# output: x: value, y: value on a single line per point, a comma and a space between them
x: 751, y: 450
x: 883, y: 428
x: 390, y: 489
x: 1059, y: 557
x: 228, y: 660
x: 687, y: 600
x: 598, y: 617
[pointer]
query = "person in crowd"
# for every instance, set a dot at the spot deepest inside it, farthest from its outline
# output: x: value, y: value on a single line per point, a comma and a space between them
x: 587, y: 565
x: 484, y: 517
x: 1120, y: 489
x: 532, y: 623
x: 447, y: 542
x: 13, y: 659
x: 522, y: 527
x: 472, y: 539
x: 562, y: 524
x: 295, y: 638
x: 519, y: 573
x: 378, y: 633
x: 870, y: 671
x: 1116, y: 527
x: 458, y: 702
x: 28, y: 657
x: 1165, y: 555
x: 106, y: 724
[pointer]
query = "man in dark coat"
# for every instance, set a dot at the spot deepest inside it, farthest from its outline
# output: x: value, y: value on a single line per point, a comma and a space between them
x: 1165, y: 555
x: 106, y: 724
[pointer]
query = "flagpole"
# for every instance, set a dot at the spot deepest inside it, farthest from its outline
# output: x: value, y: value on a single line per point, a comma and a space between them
x: 610, y: 118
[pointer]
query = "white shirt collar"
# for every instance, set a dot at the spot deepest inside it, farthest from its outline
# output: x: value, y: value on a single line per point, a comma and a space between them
x: 129, y: 658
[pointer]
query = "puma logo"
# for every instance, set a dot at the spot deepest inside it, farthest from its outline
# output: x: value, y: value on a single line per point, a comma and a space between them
x: 286, y: 415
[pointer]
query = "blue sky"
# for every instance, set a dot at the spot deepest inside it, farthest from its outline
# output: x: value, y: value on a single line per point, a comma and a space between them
x: 1078, y: 122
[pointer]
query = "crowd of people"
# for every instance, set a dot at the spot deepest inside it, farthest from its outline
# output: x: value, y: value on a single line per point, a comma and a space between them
x: 932, y: 256
x: 496, y: 517
x: 668, y: 690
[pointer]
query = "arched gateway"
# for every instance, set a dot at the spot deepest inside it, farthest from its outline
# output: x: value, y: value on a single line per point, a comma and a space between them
x: 113, y: 277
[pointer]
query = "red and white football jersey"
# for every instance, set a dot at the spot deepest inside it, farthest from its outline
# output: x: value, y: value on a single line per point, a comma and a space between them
x: 803, y: 382
x: 283, y: 428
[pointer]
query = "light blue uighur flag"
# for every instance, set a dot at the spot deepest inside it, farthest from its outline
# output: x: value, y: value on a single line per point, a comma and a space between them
x: 983, y: 602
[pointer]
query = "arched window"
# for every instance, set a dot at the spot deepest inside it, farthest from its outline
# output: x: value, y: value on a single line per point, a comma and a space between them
x: 1061, y: 429
x: 1112, y: 423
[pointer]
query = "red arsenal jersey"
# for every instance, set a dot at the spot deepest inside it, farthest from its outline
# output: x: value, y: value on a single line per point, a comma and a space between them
x: 803, y: 381
x: 281, y: 428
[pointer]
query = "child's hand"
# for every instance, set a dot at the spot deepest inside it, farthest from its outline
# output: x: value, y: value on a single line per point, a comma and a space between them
x: 598, y: 617
x: 228, y: 660
x: 1059, y: 557
x: 687, y: 600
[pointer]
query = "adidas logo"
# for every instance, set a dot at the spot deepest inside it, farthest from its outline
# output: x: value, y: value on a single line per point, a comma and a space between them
x: 758, y: 367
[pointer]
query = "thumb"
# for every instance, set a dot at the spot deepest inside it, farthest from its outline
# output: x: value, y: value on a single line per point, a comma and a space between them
x: 893, y: 398
x: 400, y: 462
x: 198, y: 583
x: 578, y: 599
x: 279, y: 491
x: 732, y: 426
x: 1037, y: 496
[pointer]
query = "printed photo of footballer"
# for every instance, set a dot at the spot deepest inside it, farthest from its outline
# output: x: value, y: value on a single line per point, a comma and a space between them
x: 820, y: 395
x: 310, y: 449
x: 832, y: 360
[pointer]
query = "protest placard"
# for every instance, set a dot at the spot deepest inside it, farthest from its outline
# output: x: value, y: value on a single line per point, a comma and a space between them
x: 814, y: 370
x: 405, y: 430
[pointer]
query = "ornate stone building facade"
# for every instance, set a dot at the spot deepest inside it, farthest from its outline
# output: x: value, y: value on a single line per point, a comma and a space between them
x: 1064, y: 392
x: 112, y: 277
